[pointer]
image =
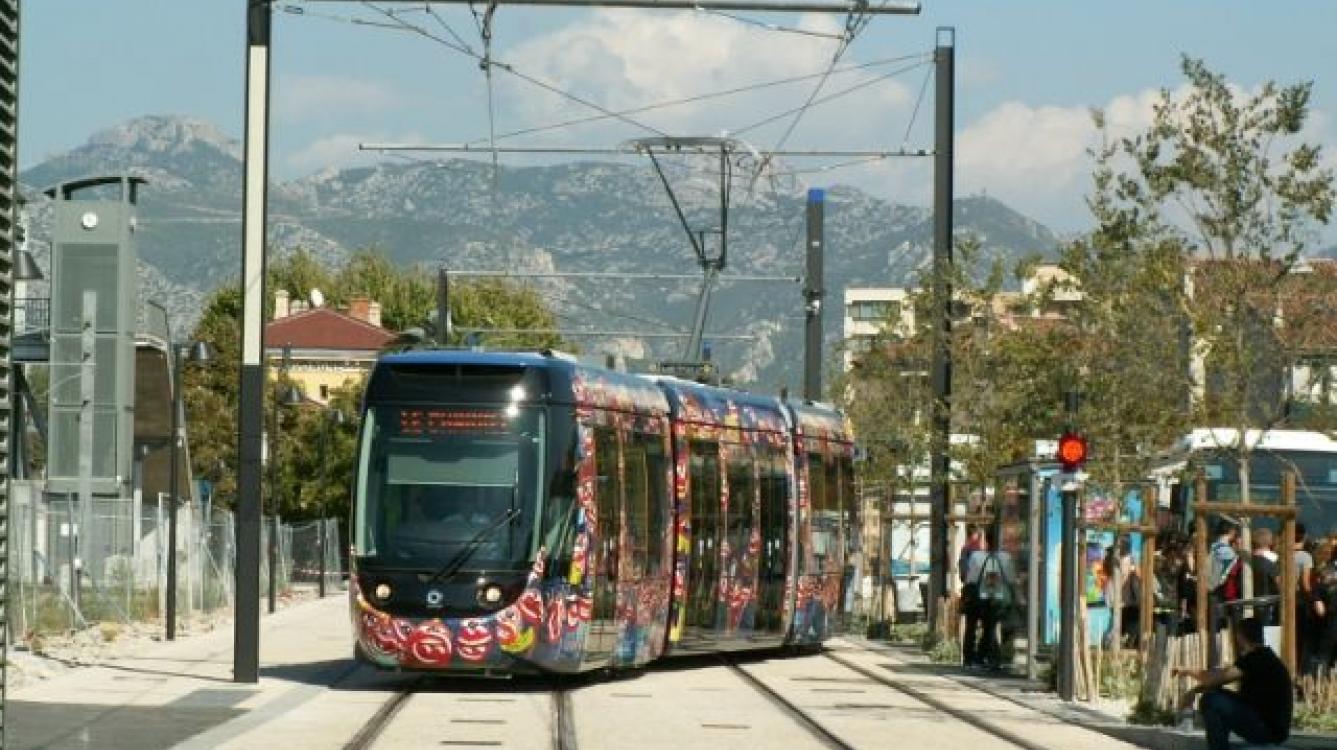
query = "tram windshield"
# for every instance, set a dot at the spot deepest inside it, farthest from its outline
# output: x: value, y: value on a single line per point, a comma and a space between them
x: 440, y: 484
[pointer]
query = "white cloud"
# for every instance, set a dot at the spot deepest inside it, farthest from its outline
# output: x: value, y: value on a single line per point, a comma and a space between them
x: 310, y: 97
x: 1035, y: 158
x: 626, y: 59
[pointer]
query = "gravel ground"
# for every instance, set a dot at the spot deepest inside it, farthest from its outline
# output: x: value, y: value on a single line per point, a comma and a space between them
x: 52, y: 654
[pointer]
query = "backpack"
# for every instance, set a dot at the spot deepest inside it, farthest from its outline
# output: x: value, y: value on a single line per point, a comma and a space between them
x: 1231, y: 588
x: 1132, y: 590
x: 993, y: 584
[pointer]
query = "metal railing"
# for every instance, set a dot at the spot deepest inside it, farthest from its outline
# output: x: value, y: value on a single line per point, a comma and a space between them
x: 31, y: 315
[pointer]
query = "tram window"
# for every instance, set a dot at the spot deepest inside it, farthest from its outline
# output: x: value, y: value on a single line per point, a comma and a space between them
x: 637, y: 517
x: 705, y: 492
x: 657, y: 503
x: 774, y: 517
x: 608, y: 492
x: 850, y: 502
x: 742, y: 496
x: 818, y: 504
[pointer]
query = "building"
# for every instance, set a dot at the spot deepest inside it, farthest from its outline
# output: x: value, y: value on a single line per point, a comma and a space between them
x: 326, y: 348
x: 874, y: 312
x: 1047, y: 294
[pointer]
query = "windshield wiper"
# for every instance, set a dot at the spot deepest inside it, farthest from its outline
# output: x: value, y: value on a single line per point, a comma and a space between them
x: 453, y: 566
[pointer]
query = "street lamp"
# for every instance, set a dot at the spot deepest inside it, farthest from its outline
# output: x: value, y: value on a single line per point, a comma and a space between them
x: 334, y: 418
x: 291, y: 395
x: 199, y: 353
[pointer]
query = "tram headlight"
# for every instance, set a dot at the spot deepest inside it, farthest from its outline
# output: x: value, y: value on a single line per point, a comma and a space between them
x: 382, y: 592
x: 518, y: 393
x: 490, y: 595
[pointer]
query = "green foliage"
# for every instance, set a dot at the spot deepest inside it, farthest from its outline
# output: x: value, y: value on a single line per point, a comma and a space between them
x: 1148, y: 713
x: 313, y: 466
x: 1252, y: 194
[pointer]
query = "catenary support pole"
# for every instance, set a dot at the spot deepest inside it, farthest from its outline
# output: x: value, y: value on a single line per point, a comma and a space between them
x: 812, y: 294
x: 246, y: 629
x: 174, y: 353
x: 944, y: 56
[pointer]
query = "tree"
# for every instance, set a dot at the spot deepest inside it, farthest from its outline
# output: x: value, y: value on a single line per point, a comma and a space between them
x: 306, y: 485
x: 1127, y: 361
x: 1229, y: 165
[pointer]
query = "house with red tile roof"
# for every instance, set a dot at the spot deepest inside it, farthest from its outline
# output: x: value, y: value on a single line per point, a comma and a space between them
x: 324, y: 348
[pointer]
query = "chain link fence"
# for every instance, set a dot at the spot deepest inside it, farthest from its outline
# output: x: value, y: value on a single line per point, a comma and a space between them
x: 73, y: 567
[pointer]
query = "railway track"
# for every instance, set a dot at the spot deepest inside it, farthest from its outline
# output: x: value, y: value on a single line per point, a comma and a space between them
x: 966, y: 717
x: 802, y: 718
x: 830, y: 739
x: 562, y: 721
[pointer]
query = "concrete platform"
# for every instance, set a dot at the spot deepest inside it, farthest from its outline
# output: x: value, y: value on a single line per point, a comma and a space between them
x: 165, y: 693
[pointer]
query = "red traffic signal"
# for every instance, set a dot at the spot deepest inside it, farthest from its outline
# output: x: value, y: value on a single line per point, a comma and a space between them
x: 1071, y: 451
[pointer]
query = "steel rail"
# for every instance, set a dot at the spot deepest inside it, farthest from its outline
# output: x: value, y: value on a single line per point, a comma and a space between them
x: 563, y: 721
x: 368, y: 734
x: 1001, y: 733
x: 826, y: 736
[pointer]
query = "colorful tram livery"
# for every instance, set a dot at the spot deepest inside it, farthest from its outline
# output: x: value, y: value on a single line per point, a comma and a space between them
x: 522, y: 513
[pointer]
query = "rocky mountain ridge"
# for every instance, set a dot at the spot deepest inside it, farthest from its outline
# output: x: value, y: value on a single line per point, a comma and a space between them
x: 583, y: 216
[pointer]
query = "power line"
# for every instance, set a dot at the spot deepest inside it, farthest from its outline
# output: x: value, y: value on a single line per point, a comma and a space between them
x: 404, y: 26
x: 828, y: 98
x: 768, y: 26
x: 922, y: 57
x: 923, y: 87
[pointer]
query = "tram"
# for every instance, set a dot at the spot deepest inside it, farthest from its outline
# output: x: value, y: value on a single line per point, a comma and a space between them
x: 523, y: 513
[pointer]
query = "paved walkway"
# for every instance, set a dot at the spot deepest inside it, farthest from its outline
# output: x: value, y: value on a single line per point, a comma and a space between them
x: 164, y: 693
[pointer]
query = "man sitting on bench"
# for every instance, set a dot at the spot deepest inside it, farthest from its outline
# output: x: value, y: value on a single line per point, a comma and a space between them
x: 1260, y: 712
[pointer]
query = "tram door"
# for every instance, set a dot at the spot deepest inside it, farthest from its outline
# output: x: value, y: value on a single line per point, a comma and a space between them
x: 774, y: 544
x: 608, y: 492
x: 703, y: 574
x: 741, y: 563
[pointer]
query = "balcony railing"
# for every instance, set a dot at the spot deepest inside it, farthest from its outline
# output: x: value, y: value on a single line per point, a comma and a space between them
x: 32, y: 315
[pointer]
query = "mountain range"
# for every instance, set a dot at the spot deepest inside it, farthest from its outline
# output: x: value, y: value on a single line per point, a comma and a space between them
x: 572, y: 217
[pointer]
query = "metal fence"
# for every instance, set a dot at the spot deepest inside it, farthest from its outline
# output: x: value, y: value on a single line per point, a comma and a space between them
x: 73, y: 567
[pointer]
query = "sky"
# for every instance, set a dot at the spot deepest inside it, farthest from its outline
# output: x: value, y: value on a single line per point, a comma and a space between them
x: 1028, y: 73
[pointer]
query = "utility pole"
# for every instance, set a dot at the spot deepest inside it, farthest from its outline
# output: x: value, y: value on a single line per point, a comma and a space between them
x: 443, y: 321
x: 812, y: 293
x: 255, y: 186
x: 944, y: 60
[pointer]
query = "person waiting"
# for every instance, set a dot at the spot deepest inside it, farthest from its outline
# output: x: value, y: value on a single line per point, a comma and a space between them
x: 1266, y: 574
x: 1260, y: 712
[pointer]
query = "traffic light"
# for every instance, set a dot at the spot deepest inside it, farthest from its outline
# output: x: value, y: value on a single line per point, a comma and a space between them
x: 1071, y: 451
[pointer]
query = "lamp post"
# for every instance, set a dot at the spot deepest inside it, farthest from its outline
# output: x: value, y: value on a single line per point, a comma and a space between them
x: 334, y: 418
x: 198, y: 353
x: 291, y: 395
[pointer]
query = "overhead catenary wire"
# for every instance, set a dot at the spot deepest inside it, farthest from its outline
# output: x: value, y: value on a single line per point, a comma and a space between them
x: 767, y: 25
x: 855, y: 21
x: 748, y: 88
x: 825, y: 99
x: 919, y: 100
x: 404, y: 26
